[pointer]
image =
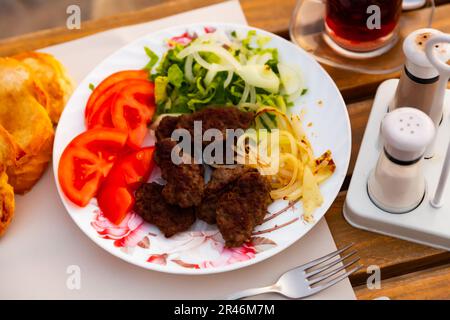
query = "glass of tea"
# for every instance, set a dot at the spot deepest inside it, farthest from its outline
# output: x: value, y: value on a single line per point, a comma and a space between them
x: 359, y: 35
x: 362, y: 25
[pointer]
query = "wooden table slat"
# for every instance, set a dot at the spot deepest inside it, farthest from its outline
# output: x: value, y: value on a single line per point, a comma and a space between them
x: 393, y: 256
x: 432, y: 284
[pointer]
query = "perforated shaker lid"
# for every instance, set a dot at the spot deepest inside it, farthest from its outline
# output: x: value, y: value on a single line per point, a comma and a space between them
x: 416, y: 60
x: 407, y: 132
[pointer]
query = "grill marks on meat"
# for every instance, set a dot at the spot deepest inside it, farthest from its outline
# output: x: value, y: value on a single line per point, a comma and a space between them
x: 185, y: 182
x: 242, y: 208
x: 153, y: 209
x: 221, y: 180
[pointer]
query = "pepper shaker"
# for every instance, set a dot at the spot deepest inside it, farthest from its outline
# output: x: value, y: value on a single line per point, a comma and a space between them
x: 419, y: 81
x: 397, y: 183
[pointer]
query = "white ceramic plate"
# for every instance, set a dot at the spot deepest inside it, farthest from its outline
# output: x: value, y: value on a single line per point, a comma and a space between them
x: 200, y: 250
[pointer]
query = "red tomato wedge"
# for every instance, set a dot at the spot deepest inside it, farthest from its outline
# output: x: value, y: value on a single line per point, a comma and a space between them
x: 100, y: 116
x: 107, y: 83
x: 116, y: 196
x: 132, y: 109
x: 86, y: 162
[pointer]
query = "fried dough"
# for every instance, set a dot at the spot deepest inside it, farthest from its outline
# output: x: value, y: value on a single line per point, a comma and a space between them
x: 6, y: 203
x: 27, y: 122
x: 53, y: 78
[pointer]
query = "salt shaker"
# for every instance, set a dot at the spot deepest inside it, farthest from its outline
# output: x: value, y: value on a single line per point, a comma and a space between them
x: 397, y: 183
x: 419, y: 81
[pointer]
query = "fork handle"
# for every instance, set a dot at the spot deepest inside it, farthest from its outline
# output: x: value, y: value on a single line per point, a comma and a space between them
x: 251, y: 292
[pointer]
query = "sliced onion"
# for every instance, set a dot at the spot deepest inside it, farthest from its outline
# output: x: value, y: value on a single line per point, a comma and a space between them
x: 255, y: 73
x: 228, y: 79
x: 295, y: 95
x: 297, y: 126
x: 218, y: 36
x: 210, y: 66
x: 242, y: 59
x: 188, y: 69
x: 205, y: 64
x: 210, y: 76
x: 253, y: 59
x: 291, y: 80
x: 201, y: 61
x: 216, y: 49
x: 245, y: 94
x: 251, y: 106
x: 262, y: 59
x: 260, y: 76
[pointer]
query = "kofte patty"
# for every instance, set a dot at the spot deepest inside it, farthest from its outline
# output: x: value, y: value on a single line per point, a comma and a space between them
x: 185, y: 182
x: 221, y: 180
x: 242, y: 208
x: 165, y: 127
x: 220, y: 118
x: 152, y: 208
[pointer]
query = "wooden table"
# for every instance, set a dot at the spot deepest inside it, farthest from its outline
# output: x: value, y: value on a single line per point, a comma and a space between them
x: 408, y: 271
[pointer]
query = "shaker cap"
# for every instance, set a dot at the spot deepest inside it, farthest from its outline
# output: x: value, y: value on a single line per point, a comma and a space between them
x: 417, y: 62
x: 407, y: 132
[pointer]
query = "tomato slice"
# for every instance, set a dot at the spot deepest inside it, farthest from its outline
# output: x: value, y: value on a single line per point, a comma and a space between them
x: 116, y: 196
x: 100, y: 115
x: 86, y: 162
x: 132, y: 109
x: 100, y: 90
x: 115, y: 203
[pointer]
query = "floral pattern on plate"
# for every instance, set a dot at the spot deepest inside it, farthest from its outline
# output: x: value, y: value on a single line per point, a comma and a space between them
x: 133, y: 232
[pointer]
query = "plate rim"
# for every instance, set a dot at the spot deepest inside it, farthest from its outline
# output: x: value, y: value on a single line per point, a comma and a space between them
x: 238, y: 265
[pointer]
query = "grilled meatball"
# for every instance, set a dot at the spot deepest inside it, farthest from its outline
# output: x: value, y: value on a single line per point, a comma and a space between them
x: 221, y: 180
x: 166, y: 126
x: 153, y: 209
x: 242, y: 208
x: 221, y: 177
x: 206, y: 211
x: 185, y: 182
x: 220, y: 118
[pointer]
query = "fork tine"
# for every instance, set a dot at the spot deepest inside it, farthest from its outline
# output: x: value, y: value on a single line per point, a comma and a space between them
x: 332, y: 272
x: 329, y: 265
x: 335, y: 280
x: 325, y: 258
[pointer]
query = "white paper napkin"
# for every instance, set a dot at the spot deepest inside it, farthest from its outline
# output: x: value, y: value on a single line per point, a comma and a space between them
x: 41, y: 246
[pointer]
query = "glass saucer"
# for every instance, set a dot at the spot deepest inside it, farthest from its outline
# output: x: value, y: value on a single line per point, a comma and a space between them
x: 307, y: 31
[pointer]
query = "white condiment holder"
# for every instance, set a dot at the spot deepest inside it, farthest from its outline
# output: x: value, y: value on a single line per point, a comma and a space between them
x: 426, y: 224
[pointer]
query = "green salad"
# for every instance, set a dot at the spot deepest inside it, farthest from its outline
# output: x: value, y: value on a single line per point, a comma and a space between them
x: 222, y: 69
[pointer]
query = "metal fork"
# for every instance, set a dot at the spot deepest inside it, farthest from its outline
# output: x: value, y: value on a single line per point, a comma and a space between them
x: 309, y: 278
